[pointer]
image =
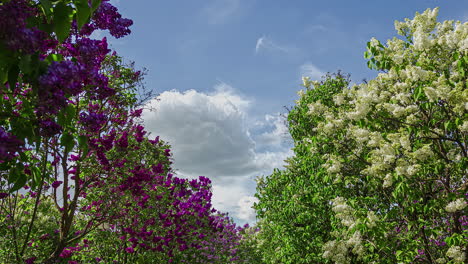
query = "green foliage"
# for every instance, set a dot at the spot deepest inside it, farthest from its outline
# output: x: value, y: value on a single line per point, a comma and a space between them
x: 380, y: 169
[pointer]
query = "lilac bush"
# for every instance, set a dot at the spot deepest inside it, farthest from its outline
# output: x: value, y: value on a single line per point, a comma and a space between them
x: 77, y: 168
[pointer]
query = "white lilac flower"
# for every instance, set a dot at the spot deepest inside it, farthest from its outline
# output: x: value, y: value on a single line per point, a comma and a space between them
x: 456, y: 205
x: 456, y: 253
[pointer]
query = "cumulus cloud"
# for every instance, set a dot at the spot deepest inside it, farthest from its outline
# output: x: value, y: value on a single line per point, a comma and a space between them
x: 310, y: 70
x: 210, y: 136
x: 277, y: 135
x: 264, y: 43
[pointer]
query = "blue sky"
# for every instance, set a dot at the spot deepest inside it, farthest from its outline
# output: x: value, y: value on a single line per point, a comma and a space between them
x: 225, y: 69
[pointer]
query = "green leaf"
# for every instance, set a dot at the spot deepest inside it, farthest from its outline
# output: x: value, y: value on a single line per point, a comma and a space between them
x: 3, y: 77
x: 54, y: 57
x: 20, y: 181
x: 446, y: 125
x: 13, y: 76
x: 367, y: 55
x: 63, y: 16
x: 46, y: 7
x: 25, y: 64
x: 67, y: 140
x: 83, y: 12
x: 36, y: 176
x: 83, y: 144
x: 95, y: 4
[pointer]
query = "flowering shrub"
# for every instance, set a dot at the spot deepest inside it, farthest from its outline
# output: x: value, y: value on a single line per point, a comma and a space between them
x: 380, y: 172
x: 77, y: 169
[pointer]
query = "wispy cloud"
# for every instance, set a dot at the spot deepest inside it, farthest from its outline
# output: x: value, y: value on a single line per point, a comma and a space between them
x: 264, y: 43
x: 310, y: 70
x: 219, y: 11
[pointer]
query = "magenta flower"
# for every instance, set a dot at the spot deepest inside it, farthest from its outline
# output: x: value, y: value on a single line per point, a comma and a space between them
x: 56, y: 184
x: 66, y: 253
x: 30, y: 260
x: 74, y: 157
x: 9, y: 145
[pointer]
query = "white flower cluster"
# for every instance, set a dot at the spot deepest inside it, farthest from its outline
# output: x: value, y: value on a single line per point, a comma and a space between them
x: 317, y: 108
x: 337, y: 250
x: 343, y: 212
x: 456, y: 205
x: 457, y: 254
x: 333, y: 166
x: 402, y: 100
x: 423, y: 153
x: 372, y: 219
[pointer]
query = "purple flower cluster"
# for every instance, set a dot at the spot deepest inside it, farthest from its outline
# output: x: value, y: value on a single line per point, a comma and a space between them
x: 49, y: 128
x: 14, y: 31
x: 63, y: 79
x: 189, y: 224
x: 9, y: 145
x: 107, y: 17
x: 89, y: 52
x: 92, y: 122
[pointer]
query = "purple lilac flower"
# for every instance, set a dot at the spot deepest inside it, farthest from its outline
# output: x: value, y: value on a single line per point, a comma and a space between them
x: 90, y: 52
x: 49, y: 128
x: 9, y: 145
x: 14, y: 31
x: 56, y: 184
x: 139, y: 133
x: 30, y: 260
x: 62, y: 79
x: 92, y: 122
x: 107, y: 17
x: 66, y: 253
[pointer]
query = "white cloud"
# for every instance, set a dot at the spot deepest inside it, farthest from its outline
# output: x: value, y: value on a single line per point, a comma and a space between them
x: 279, y: 134
x: 245, y: 207
x: 264, y: 43
x: 219, y: 11
x: 310, y: 70
x: 210, y: 136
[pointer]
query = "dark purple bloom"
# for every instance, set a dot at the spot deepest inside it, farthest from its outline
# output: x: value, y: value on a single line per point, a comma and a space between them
x: 107, y: 17
x: 63, y: 79
x: 139, y: 133
x: 136, y: 113
x: 154, y: 141
x: 16, y: 34
x: 66, y: 253
x: 166, y: 152
x: 56, y: 184
x: 74, y: 158
x: 90, y: 52
x: 92, y: 122
x: 49, y: 128
x: 123, y: 140
x: 30, y: 260
x: 9, y: 145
